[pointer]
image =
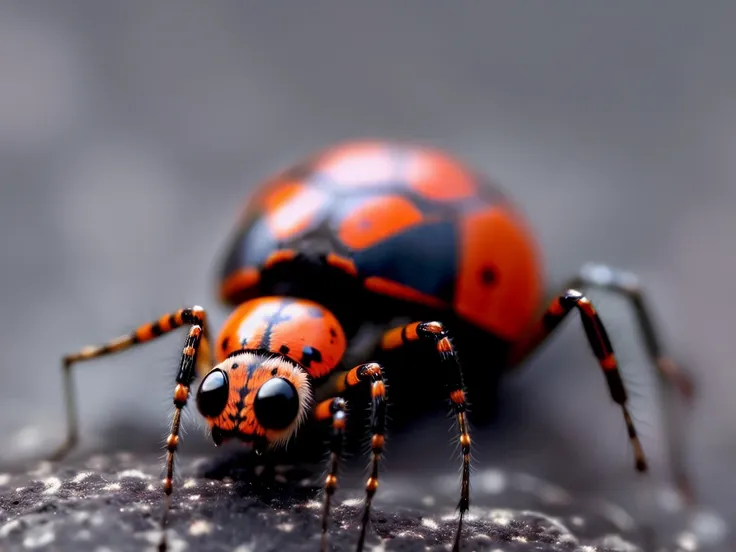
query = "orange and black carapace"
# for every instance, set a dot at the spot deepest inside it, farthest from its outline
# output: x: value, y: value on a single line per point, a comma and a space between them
x: 407, y: 250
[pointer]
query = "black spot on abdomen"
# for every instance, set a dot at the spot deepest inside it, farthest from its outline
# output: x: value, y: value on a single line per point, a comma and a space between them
x: 310, y: 354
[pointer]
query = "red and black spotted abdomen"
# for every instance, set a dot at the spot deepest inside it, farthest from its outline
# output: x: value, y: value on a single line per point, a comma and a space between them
x: 400, y: 221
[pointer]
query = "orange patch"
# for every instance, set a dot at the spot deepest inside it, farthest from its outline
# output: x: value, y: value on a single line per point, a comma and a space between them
x: 279, y: 256
x: 609, y: 362
x: 352, y: 378
x: 378, y: 389
x: 145, y: 333
x: 295, y: 211
x: 376, y: 219
x: 377, y: 442
x: 436, y: 176
x: 555, y: 308
x: 444, y: 345
x: 239, y: 282
x: 392, y: 339
x: 457, y: 396
x: 342, y: 263
x: 323, y: 410
x: 279, y: 193
x: 365, y: 163
x: 302, y: 330
x: 400, y: 291
x: 499, y: 280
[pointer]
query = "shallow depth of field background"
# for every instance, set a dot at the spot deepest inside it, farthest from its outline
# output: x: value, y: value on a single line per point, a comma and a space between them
x: 130, y: 133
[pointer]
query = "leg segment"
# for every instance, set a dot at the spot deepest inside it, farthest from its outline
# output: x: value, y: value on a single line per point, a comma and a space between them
x: 184, y: 379
x: 435, y: 334
x: 145, y: 333
x: 334, y: 409
x: 670, y: 375
x: 364, y: 373
x: 599, y: 342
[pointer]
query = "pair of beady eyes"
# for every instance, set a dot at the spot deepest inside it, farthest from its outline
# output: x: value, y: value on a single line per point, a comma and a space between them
x: 276, y: 404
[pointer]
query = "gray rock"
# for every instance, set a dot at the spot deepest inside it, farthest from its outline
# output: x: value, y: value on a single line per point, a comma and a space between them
x: 114, y: 502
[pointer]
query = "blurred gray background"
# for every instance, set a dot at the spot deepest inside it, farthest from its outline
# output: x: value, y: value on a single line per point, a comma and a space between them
x: 130, y: 133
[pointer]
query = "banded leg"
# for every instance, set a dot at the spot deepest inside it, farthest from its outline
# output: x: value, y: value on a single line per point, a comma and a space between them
x: 336, y: 410
x: 670, y: 374
x: 184, y: 379
x: 364, y: 373
x: 148, y: 332
x: 435, y: 334
x: 599, y: 342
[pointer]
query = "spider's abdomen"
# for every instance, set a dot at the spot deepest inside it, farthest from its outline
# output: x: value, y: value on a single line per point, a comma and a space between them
x: 403, y: 226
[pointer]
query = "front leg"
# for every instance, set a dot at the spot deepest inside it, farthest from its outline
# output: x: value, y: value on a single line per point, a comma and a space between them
x: 335, y: 409
x: 194, y: 316
x: 435, y: 335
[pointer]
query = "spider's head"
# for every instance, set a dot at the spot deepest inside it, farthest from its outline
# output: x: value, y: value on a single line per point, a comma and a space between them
x: 258, y: 398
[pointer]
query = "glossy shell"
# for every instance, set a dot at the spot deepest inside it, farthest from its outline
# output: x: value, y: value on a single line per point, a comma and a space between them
x: 408, y: 222
x: 299, y: 329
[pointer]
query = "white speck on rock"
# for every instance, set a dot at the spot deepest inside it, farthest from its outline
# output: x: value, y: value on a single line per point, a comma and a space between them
x: 492, y: 481
x: 53, y: 484
x: 8, y: 528
x: 97, y: 519
x: 429, y: 522
x: 687, y: 541
x: 618, y: 543
x: 81, y: 476
x: 587, y: 548
x: 200, y: 527
x: 84, y: 535
x: 175, y: 544
x: 710, y: 528
x: 501, y: 517
x: 354, y: 502
x: 194, y: 497
x: 189, y: 484
x: 313, y: 505
x: 43, y: 469
x: 80, y: 517
x: 285, y: 527
x: 250, y: 547
x: 4, y: 479
x: 38, y: 537
x: 112, y: 487
x: 137, y: 474
x: 670, y: 500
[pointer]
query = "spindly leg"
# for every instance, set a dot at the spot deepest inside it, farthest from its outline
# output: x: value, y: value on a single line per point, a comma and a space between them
x: 184, y: 379
x: 627, y: 284
x: 335, y: 408
x: 435, y: 334
x: 147, y: 332
x: 599, y: 342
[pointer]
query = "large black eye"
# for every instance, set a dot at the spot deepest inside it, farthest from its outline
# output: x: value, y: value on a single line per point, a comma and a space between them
x: 276, y: 404
x: 212, y: 394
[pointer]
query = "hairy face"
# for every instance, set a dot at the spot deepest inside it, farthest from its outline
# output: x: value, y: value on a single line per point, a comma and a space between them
x: 257, y: 398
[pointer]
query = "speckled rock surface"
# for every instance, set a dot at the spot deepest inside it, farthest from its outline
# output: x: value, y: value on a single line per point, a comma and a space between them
x: 113, y: 502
